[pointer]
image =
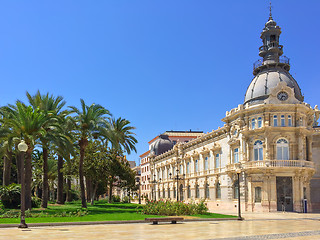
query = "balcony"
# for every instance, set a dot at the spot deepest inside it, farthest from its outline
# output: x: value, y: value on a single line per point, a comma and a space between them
x: 282, y: 59
x: 279, y: 164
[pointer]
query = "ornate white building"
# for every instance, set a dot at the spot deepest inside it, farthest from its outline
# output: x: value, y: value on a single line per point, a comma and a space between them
x: 271, y: 140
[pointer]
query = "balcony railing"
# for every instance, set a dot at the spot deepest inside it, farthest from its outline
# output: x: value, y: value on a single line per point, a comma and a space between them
x: 279, y: 163
x: 282, y: 59
x: 271, y: 45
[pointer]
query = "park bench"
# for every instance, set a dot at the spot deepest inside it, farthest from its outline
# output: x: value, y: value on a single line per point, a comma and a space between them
x: 173, y: 220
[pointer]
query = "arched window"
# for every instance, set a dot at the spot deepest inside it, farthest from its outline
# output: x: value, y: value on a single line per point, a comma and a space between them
x: 189, y: 192
x: 257, y: 194
x: 275, y: 121
x: 218, y: 191
x: 206, y: 166
x: 235, y: 189
x: 283, y: 121
x: 258, y: 150
x: 197, y: 191
x: 289, y: 121
x: 217, y: 160
x: 188, y: 167
x: 282, y: 149
x: 236, y: 155
x: 259, y: 122
x: 253, y: 123
x: 196, y: 167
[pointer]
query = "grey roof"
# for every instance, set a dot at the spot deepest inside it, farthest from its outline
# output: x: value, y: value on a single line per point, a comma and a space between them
x: 264, y: 81
x: 161, y: 145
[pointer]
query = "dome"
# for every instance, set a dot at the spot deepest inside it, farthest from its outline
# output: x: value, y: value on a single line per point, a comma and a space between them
x: 161, y: 145
x: 264, y: 81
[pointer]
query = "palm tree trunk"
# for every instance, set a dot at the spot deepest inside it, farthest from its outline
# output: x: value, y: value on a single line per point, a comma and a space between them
x: 88, y: 189
x: 82, y: 144
x: 94, y: 193
x: 28, y: 177
x: 68, y: 197
x: 45, y: 187
x: 110, y: 191
x: 6, y: 169
x: 60, y: 198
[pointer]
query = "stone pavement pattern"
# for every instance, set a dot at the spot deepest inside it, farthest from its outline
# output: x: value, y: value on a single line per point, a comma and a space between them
x: 265, y: 226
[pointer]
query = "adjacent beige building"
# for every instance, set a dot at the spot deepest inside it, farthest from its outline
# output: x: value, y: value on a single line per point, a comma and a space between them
x: 272, y: 140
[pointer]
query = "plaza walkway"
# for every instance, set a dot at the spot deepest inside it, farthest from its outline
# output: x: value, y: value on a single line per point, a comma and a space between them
x: 256, y: 226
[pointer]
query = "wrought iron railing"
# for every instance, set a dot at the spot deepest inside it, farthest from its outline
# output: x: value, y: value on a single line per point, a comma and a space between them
x: 282, y: 59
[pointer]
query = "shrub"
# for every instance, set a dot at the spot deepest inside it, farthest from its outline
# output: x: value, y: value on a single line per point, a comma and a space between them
x: 115, y: 198
x: 170, y: 208
x: 125, y: 199
x: 10, y: 195
x: 75, y: 195
x: 35, y: 202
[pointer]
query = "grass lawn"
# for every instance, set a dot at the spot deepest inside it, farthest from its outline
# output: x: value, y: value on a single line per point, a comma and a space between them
x: 101, y: 211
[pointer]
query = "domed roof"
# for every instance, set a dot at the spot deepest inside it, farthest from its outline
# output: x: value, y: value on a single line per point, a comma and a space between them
x: 264, y: 81
x: 161, y: 145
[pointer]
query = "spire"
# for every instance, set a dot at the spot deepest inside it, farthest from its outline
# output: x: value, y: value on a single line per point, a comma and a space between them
x: 270, y: 9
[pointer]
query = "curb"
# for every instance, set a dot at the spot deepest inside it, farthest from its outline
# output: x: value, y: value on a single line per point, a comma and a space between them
x: 15, y: 225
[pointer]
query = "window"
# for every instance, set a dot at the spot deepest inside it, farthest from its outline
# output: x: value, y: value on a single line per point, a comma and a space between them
x: 283, y: 122
x: 173, y: 171
x: 189, y: 192
x: 282, y: 149
x: 217, y: 162
x: 207, y: 191
x: 257, y: 194
x: 236, y: 155
x: 235, y: 189
x: 163, y: 193
x: 289, y: 121
x: 258, y: 151
x: 259, y: 122
x: 181, y: 169
x: 174, y: 142
x: 168, y: 192
x: 197, y: 191
x: 218, y: 191
x: 275, y: 121
x: 253, y: 123
x: 196, y: 165
x: 188, y: 167
x: 206, y: 163
x: 174, y: 192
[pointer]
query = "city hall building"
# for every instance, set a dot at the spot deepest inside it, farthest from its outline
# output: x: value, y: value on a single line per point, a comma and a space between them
x: 272, y: 140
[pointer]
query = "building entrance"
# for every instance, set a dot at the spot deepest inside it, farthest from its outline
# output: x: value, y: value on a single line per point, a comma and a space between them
x: 284, y: 194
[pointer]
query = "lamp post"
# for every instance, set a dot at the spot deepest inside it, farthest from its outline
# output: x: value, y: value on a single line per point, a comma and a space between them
x: 22, y: 147
x: 138, y: 181
x: 177, y: 179
x: 239, y: 203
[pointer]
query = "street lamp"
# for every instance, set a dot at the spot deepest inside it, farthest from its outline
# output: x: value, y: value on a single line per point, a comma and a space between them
x: 22, y: 147
x: 177, y: 178
x: 138, y: 181
x: 239, y: 204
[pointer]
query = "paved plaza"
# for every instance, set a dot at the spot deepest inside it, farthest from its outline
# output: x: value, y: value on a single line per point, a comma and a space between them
x: 256, y: 226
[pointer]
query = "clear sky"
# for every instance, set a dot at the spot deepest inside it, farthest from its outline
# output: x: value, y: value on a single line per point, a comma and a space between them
x: 162, y: 64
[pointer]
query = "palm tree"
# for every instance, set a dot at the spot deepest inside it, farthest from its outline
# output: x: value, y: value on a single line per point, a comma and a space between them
x: 29, y: 124
x: 91, y: 121
x: 122, y: 140
x: 49, y: 105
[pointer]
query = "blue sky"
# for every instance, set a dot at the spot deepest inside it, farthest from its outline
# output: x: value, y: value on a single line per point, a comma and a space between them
x: 163, y: 65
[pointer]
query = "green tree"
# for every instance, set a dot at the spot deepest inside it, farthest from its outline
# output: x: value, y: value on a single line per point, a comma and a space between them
x: 29, y: 124
x: 91, y: 121
x: 49, y: 105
